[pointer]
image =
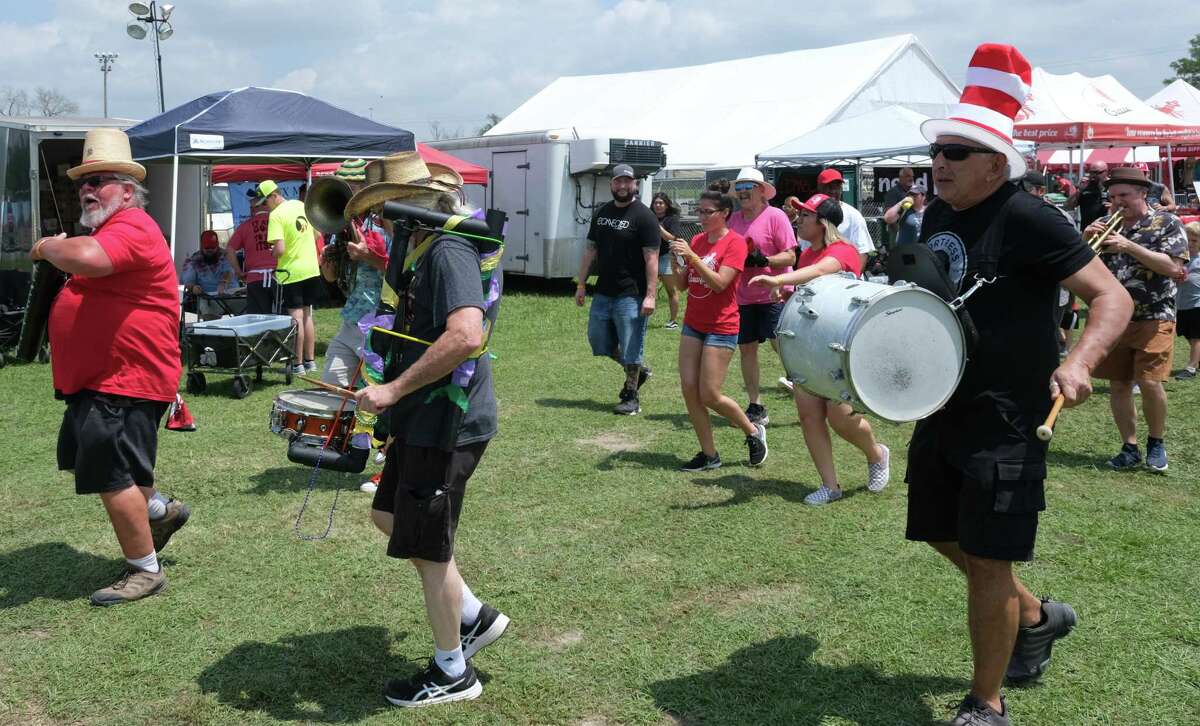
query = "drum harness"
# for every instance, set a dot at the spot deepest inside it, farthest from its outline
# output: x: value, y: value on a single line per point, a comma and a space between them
x: 489, y: 264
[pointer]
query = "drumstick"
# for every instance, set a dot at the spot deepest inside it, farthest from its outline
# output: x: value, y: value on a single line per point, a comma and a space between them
x: 1046, y: 430
x: 328, y: 386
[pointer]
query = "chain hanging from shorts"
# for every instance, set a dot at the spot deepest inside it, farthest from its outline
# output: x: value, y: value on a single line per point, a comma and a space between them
x: 312, y: 485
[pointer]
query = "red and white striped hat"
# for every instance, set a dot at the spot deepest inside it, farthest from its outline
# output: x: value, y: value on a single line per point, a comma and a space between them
x: 998, y: 82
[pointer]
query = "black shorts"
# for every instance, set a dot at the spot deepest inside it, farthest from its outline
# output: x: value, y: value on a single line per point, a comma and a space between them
x: 261, y: 300
x: 111, y: 442
x: 758, y: 322
x: 423, y: 488
x: 1187, y: 323
x: 302, y: 294
x: 985, y: 500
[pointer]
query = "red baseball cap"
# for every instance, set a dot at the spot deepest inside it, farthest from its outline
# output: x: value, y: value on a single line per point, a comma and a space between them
x: 208, y: 240
x: 829, y: 176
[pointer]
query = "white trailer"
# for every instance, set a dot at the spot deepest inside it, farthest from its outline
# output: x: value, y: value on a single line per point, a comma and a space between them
x: 549, y: 183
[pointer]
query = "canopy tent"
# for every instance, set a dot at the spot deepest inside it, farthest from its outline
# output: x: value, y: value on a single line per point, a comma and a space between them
x: 1180, y: 100
x: 768, y: 100
x: 258, y: 125
x: 1062, y: 159
x: 887, y: 134
x: 1074, y: 109
x: 471, y: 173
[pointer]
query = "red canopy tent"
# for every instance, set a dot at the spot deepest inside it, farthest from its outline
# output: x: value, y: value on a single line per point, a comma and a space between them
x: 471, y: 173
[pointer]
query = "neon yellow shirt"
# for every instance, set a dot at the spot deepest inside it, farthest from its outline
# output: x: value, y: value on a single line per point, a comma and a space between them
x: 288, y: 223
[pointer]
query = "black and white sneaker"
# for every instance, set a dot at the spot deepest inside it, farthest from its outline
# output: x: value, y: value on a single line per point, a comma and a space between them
x: 757, y: 444
x: 487, y: 629
x: 432, y: 686
x: 702, y: 462
x: 629, y: 405
x: 757, y: 413
x: 644, y: 375
x: 1031, y: 650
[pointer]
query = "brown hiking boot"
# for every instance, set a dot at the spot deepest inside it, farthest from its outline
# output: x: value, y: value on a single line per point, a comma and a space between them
x: 162, y: 529
x: 135, y: 584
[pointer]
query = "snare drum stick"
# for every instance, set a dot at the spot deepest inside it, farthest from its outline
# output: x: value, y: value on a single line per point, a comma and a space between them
x: 328, y: 386
x: 1046, y: 430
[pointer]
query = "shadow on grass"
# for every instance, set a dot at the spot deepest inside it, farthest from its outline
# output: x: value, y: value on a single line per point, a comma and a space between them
x: 745, y: 489
x: 1072, y: 459
x: 585, y: 404
x: 643, y: 459
x: 55, y: 571
x: 334, y: 677
x: 291, y: 479
x: 777, y: 682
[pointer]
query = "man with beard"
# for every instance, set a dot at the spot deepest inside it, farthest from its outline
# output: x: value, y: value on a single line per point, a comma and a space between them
x: 623, y: 241
x: 206, y: 273
x: 115, y: 357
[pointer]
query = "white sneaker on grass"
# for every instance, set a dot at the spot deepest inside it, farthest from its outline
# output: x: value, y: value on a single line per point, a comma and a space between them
x: 823, y: 495
x: 879, y: 474
x: 787, y: 383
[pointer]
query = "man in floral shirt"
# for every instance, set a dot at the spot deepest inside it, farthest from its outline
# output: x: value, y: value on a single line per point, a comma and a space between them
x: 1147, y: 255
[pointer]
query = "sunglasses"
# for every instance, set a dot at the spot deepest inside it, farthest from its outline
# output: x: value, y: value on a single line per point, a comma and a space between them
x: 94, y: 181
x: 956, y: 152
x: 702, y: 212
x: 743, y: 186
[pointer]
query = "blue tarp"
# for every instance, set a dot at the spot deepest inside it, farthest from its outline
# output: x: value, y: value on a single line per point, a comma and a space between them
x: 256, y: 125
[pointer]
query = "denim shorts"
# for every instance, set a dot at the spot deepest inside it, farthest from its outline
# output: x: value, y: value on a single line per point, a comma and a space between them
x: 616, y: 327
x: 664, y: 264
x: 712, y: 340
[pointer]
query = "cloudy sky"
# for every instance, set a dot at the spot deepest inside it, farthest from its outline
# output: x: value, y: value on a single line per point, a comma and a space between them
x: 413, y: 64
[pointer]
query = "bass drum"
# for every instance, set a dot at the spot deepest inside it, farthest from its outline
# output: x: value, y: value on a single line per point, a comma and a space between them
x: 894, y: 351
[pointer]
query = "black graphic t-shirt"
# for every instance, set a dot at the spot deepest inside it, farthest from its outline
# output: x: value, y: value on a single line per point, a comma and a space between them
x: 1091, y: 204
x: 1018, y: 349
x: 620, y: 234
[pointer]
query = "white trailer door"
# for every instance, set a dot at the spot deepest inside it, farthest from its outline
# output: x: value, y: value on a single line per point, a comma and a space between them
x: 510, y: 172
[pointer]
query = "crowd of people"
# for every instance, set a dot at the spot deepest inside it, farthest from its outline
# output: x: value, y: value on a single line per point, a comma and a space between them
x: 975, y: 469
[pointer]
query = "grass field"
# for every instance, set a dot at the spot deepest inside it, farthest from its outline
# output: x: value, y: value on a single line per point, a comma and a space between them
x: 639, y: 595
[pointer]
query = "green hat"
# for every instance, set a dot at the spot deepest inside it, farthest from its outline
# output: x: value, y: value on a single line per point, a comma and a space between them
x: 267, y: 188
x: 352, y: 170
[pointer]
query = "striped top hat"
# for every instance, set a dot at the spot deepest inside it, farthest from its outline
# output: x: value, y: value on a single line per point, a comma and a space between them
x: 998, y: 82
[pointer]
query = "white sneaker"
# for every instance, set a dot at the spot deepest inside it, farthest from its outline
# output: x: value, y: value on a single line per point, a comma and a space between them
x: 879, y: 474
x: 380, y: 457
x: 370, y: 486
x: 787, y: 383
x: 823, y: 495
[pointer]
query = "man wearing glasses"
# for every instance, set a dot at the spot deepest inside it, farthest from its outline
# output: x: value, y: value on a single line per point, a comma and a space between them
x: 976, y: 470
x: 1091, y: 195
x: 770, y: 238
x: 115, y: 357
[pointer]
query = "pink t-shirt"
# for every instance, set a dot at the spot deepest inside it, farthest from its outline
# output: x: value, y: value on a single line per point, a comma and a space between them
x: 771, y: 232
x: 251, y: 237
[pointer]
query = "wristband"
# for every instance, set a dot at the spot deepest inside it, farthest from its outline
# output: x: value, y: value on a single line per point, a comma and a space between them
x: 36, y: 252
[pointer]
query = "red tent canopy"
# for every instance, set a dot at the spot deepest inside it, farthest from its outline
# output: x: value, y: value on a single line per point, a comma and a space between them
x: 471, y: 173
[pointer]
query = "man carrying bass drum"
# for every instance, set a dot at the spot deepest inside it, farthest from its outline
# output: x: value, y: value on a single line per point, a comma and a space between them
x: 976, y: 472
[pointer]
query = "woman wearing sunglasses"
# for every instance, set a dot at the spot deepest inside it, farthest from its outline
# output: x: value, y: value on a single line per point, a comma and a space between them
x: 709, y: 269
x: 828, y: 254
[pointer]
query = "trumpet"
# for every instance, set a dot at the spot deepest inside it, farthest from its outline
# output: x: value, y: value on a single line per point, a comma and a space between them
x: 1109, y: 227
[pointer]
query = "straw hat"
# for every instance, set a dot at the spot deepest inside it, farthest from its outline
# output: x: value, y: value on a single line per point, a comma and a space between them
x: 107, y: 150
x: 445, y: 176
x: 402, y: 177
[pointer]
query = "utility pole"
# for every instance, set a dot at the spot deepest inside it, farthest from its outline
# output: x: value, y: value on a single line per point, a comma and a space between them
x: 106, y: 64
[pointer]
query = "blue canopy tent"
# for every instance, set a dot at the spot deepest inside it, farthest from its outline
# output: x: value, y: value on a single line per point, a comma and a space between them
x: 260, y: 125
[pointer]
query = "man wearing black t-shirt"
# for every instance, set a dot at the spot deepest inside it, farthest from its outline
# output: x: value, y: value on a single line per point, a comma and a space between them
x: 976, y: 470
x: 1090, y: 197
x: 623, y: 241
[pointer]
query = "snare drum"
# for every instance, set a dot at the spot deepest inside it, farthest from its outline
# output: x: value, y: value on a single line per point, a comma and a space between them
x: 313, y: 415
x: 895, y: 351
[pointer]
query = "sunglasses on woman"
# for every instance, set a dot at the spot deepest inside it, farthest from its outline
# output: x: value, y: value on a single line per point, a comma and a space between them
x: 702, y: 212
x: 956, y: 152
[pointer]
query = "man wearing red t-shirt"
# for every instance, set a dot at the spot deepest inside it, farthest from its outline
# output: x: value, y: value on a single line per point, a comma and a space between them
x: 115, y: 357
x: 257, y: 267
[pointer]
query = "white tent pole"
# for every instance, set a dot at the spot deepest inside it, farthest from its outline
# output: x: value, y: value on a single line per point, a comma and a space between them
x: 1170, y: 170
x: 174, y: 201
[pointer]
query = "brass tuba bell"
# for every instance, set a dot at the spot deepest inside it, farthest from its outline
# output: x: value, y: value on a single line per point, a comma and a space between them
x: 325, y: 205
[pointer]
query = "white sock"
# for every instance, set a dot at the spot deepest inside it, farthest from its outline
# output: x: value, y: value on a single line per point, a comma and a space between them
x: 149, y: 563
x: 157, y: 506
x: 451, y: 661
x: 1191, y: 369
x: 470, y: 606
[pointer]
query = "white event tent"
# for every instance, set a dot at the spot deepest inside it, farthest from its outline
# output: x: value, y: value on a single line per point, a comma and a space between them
x: 1180, y: 100
x: 892, y: 133
x: 767, y: 99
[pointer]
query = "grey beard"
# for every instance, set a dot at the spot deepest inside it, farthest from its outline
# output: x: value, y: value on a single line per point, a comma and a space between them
x: 93, y: 220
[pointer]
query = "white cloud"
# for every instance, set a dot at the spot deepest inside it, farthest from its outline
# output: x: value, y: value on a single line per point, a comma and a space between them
x: 303, y: 80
